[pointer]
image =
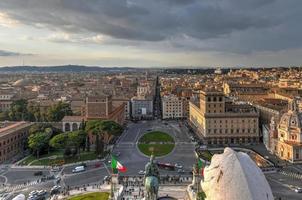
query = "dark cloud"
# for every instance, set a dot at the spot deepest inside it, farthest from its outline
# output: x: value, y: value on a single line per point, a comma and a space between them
x: 239, y: 26
x: 4, y: 53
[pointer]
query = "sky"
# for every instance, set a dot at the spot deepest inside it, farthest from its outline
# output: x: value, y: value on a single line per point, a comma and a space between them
x: 147, y: 33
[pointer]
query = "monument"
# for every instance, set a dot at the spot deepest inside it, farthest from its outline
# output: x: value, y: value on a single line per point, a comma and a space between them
x: 151, y: 179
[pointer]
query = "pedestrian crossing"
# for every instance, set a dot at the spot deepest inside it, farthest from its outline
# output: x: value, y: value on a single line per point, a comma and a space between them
x: 291, y: 174
x: 20, y: 186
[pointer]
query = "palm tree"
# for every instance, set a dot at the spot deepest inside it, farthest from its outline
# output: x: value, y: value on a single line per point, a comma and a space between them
x: 94, y: 127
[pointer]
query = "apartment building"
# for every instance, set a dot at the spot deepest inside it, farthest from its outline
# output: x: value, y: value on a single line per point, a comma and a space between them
x: 172, y: 107
x: 220, y: 121
x: 13, y: 139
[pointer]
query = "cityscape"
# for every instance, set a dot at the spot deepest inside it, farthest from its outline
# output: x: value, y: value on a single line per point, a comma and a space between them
x: 147, y: 100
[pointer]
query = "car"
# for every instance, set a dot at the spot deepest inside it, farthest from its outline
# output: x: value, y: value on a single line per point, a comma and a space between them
x: 42, y: 193
x: 55, y: 189
x: 38, y: 173
x: 141, y: 172
x: 178, y: 166
x: 78, y: 169
x: 181, y: 171
x: 106, y: 178
x: 298, y: 190
x: 55, y: 169
x: 149, y: 129
x: 58, y: 179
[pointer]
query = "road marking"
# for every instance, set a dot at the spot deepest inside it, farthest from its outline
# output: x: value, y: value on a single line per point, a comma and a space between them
x: 138, y: 134
x: 107, y: 168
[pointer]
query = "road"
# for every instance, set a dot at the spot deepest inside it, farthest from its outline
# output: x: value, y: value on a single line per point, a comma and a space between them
x: 23, y: 179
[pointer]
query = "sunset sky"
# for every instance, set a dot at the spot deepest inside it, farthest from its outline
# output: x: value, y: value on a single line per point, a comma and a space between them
x: 145, y: 33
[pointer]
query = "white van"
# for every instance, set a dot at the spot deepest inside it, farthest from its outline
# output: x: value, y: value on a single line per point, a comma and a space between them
x: 78, y: 169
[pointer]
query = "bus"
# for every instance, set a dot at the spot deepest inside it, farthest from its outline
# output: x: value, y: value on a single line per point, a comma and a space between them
x: 166, y: 166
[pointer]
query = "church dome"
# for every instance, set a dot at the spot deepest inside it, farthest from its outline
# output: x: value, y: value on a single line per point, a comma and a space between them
x: 293, y: 118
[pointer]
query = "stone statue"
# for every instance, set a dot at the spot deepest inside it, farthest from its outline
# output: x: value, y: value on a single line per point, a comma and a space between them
x: 151, y: 179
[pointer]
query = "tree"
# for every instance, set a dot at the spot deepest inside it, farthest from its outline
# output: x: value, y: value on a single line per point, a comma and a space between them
x: 4, y: 116
x: 33, y: 112
x: 59, y: 141
x: 104, y: 131
x: 38, y: 141
x: 94, y: 127
x: 57, y: 112
x: 110, y: 130
x: 77, y: 139
x: 40, y: 128
x: 18, y: 110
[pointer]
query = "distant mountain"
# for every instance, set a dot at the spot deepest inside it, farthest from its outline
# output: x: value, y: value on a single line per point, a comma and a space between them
x: 63, y: 68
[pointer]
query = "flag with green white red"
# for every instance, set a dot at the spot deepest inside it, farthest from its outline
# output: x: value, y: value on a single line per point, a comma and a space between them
x: 200, y: 166
x: 117, y: 166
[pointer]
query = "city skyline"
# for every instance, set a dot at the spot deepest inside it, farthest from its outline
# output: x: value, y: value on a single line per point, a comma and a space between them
x: 146, y: 34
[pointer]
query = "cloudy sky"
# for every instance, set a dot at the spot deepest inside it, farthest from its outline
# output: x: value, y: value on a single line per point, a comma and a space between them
x: 143, y: 33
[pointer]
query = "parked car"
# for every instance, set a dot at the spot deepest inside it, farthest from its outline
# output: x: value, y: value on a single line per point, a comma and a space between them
x: 181, y: 171
x: 38, y: 173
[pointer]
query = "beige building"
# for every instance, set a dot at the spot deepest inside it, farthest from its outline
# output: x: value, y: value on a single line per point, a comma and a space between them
x: 172, y: 107
x: 219, y: 121
x: 12, y: 139
x: 286, y: 137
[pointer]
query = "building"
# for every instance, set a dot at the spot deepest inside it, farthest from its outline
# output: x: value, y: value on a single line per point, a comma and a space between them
x: 219, y: 121
x: 101, y: 107
x: 72, y: 123
x: 286, y: 136
x: 5, y: 101
x: 96, y: 108
x: 142, y: 107
x: 172, y: 107
x: 13, y: 139
x: 234, y: 175
x: 246, y: 92
x: 269, y: 108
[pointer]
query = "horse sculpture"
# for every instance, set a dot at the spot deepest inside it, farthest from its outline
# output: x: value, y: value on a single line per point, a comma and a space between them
x: 151, y: 186
x: 151, y: 180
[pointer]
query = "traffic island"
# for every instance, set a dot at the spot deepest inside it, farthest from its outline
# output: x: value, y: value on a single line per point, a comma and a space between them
x: 157, y: 143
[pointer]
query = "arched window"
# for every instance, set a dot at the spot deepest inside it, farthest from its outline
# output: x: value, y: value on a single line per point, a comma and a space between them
x: 75, y: 127
x: 67, y: 127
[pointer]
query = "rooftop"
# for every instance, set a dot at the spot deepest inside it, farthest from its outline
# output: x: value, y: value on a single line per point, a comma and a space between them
x: 13, y: 127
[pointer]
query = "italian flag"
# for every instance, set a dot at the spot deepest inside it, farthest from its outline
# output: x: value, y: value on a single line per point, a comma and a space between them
x: 200, y: 166
x: 117, y: 166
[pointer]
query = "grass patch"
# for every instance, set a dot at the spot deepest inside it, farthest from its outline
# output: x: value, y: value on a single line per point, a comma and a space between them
x: 31, y: 158
x: 83, y: 157
x: 156, y: 136
x: 91, y: 196
x: 205, y: 155
x: 156, y: 149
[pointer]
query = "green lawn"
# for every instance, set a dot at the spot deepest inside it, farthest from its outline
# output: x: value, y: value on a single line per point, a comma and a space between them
x: 156, y: 149
x: 205, y: 155
x: 156, y: 136
x: 31, y: 158
x: 83, y: 157
x: 91, y: 196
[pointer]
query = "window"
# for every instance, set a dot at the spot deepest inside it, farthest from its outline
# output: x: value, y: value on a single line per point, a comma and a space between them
x: 220, y: 98
x: 214, y: 99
